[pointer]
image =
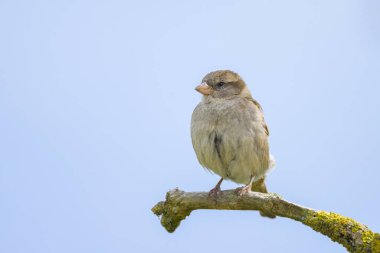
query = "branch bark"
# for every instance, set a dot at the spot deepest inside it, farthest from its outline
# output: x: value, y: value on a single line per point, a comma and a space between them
x: 354, y: 236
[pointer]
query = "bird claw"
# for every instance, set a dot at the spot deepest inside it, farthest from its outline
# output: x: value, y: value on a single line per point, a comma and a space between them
x: 214, y: 192
x: 243, y: 190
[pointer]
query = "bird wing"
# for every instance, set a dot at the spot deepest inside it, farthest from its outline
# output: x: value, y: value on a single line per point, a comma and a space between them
x: 265, y: 126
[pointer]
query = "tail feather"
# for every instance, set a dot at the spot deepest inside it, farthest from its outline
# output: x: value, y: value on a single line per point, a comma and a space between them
x: 259, y: 186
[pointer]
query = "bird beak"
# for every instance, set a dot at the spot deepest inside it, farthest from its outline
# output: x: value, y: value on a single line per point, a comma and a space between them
x: 204, y: 89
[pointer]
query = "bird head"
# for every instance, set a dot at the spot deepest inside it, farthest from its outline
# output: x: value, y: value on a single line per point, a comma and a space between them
x: 223, y: 84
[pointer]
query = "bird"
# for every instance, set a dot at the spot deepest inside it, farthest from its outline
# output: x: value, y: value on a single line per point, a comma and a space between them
x: 229, y: 133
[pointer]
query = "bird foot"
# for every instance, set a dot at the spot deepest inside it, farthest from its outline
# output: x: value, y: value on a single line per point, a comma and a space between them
x: 215, y: 192
x: 243, y: 190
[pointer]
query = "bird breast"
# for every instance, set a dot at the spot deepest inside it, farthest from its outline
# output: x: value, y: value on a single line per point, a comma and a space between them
x: 229, y: 139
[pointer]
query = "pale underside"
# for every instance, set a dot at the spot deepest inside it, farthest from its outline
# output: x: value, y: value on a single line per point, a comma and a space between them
x: 230, y: 138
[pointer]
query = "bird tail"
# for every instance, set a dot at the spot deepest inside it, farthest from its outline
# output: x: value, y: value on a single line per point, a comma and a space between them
x: 259, y: 186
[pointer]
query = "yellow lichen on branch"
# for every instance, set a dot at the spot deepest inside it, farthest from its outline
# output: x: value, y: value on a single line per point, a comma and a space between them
x: 354, y: 236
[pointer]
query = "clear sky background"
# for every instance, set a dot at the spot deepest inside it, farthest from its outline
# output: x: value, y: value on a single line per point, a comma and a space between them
x: 95, y: 105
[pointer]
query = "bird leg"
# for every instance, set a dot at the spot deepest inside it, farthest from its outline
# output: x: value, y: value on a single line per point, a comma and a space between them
x: 216, y: 190
x: 245, y: 189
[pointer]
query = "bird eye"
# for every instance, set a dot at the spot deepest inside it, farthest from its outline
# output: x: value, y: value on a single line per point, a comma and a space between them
x: 220, y: 84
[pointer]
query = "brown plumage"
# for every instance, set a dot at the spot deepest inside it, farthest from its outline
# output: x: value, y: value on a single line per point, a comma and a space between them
x: 229, y: 133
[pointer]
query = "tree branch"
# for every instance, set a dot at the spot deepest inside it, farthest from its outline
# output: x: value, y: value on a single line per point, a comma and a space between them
x: 355, y: 237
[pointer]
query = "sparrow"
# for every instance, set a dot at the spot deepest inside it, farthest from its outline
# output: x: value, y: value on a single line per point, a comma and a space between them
x: 229, y: 133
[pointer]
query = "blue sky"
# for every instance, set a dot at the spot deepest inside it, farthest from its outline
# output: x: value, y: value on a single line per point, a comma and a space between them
x: 95, y: 105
